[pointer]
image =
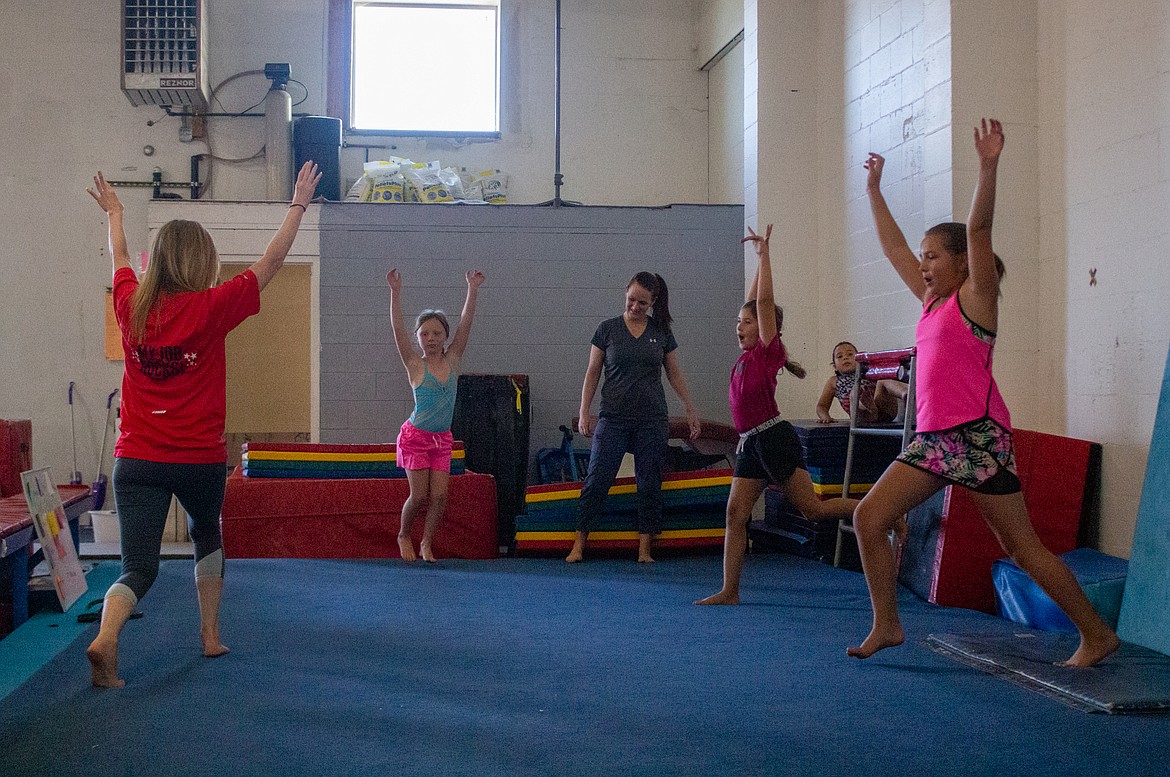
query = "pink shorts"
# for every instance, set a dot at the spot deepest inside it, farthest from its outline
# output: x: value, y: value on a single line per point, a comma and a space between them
x: 423, y: 450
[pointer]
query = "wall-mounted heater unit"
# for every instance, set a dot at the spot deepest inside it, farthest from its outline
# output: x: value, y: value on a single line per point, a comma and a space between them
x: 164, y: 52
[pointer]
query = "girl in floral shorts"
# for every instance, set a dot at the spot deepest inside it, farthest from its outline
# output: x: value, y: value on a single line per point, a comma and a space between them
x: 964, y: 429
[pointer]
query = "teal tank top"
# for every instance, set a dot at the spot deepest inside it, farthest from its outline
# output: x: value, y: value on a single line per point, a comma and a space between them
x: 434, y: 402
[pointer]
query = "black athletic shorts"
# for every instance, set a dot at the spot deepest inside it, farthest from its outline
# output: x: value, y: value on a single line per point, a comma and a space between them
x: 771, y: 455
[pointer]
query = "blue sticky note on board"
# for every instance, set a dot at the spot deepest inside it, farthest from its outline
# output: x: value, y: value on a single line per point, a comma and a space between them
x: 1145, y: 616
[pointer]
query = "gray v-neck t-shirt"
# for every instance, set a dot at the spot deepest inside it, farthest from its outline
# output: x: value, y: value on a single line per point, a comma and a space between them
x: 632, y: 387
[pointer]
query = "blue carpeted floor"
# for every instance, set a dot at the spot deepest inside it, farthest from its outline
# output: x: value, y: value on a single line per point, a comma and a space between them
x: 538, y: 667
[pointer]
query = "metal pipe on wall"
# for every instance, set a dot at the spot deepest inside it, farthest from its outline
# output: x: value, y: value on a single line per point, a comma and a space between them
x: 278, y: 142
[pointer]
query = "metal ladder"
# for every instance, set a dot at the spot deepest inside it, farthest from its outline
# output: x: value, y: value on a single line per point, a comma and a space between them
x: 897, y: 365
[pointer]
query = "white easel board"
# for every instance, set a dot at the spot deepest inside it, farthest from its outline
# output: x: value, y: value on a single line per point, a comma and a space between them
x: 52, y: 526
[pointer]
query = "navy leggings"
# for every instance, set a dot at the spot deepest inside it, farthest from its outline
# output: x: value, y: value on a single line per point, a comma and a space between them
x: 142, y: 495
x: 612, y: 439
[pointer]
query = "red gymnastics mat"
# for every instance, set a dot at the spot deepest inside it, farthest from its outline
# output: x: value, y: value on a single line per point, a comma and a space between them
x: 350, y: 518
x: 948, y: 556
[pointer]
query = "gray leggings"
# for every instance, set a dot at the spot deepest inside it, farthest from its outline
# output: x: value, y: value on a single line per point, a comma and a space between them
x: 142, y: 495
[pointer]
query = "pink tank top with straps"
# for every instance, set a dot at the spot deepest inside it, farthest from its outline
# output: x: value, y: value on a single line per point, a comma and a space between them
x: 955, y: 384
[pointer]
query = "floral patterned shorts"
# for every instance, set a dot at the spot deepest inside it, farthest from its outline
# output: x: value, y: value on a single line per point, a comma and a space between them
x: 977, y: 455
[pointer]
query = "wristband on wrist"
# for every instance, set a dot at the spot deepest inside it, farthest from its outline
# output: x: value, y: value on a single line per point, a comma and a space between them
x: 298, y: 205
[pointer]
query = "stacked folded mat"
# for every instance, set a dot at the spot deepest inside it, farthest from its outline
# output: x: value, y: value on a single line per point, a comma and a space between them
x: 824, y: 447
x: 693, y: 513
x: 328, y: 462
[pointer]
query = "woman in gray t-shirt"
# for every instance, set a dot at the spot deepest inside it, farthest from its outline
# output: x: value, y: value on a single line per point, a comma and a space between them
x: 631, y: 350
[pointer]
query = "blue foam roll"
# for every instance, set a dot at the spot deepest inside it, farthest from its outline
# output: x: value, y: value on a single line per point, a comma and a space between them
x: 1022, y: 601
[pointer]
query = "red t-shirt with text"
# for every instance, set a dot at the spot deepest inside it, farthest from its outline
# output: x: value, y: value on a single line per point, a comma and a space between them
x: 174, y: 387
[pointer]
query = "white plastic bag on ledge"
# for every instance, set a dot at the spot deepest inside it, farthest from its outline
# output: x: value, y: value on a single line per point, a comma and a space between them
x: 401, y: 180
x: 450, y: 178
x: 493, y: 186
x: 387, y: 183
x: 360, y: 191
x: 426, y: 184
x: 472, y: 190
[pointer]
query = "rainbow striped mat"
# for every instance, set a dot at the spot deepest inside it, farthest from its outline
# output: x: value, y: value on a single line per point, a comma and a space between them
x: 312, y: 460
x: 694, y: 513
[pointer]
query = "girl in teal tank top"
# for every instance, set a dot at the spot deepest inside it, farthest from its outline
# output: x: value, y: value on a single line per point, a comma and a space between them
x: 434, y: 402
x: 424, y: 442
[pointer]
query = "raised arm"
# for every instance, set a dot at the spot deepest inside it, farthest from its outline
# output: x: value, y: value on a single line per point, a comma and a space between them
x: 983, y: 277
x: 108, y: 200
x: 825, y: 403
x: 764, y: 296
x: 268, y: 265
x: 410, y: 359
x: 894, y: 244
x: 585, y: 421
x: 467, y: 317
x: 679, y: 384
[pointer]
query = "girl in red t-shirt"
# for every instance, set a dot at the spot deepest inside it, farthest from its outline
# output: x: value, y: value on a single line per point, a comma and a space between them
x: 174, y: 320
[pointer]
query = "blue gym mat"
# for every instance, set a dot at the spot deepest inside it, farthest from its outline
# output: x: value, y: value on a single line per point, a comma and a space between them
x: 538, y: 667
x: 1145, y: 616
x: 1134, y: 680
x: 50, y: 631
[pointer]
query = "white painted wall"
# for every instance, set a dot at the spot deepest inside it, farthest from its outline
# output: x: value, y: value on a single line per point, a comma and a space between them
x: 896, y: 63
x: 725, y: 128
x: 779, y: 177
x: 719, y: 22
x: 1104, y: 183
x: 632, y: 105
x: 634, y: 133
x: 994, y: 69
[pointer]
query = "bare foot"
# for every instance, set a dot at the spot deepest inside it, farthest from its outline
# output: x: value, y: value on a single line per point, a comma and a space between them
x: 720, y: 598
x: 1092, y: 653
x: 103, y: 661
x: 878, y: 640
x: 214, y: 648
x: 406, y: 549
x: 644, y: 542
x: 426, y: 552
x: 575, y: 555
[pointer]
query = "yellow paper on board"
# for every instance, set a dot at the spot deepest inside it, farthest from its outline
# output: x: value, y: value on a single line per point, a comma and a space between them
x: 44, y: 502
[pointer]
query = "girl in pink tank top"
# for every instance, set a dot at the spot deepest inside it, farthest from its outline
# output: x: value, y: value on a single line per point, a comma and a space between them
x: 964, y: 430
x: 769, y: 451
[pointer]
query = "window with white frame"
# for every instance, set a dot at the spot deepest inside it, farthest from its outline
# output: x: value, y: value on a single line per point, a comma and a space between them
x: 425, y: 67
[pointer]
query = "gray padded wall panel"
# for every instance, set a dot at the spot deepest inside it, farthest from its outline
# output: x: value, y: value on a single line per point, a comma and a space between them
x: 552, y: 276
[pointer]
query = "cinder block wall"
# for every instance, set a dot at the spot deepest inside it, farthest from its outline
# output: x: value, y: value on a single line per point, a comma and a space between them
x: 553, y: 274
